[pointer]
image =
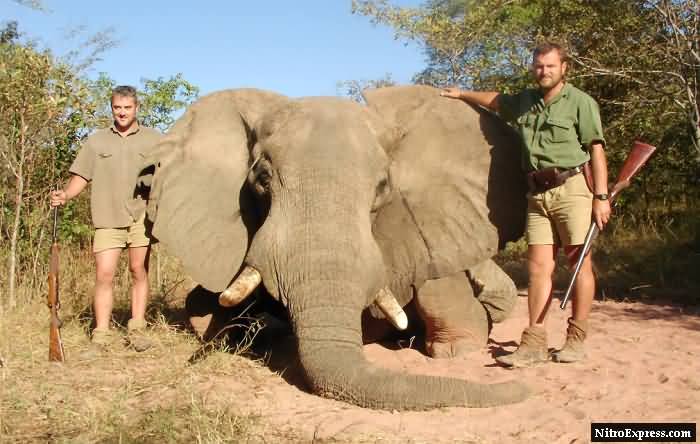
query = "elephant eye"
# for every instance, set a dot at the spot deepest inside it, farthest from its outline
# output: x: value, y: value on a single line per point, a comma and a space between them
x: 382, y: 193
x: 264, y: 178
x: 260, y: 175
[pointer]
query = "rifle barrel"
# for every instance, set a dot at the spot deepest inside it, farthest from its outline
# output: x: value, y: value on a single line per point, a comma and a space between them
x: 638, y: 156
x: 592, y: 233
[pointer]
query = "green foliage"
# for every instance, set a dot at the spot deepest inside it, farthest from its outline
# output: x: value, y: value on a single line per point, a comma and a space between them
x: 47, y: 107
x: 44, y: 107
x: 162, y: 98
x: 467, y: 42
x: 640, y: 60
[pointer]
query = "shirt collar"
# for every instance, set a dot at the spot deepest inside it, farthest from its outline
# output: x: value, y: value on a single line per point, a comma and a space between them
x: 564, y: 92
x: 133, y: 130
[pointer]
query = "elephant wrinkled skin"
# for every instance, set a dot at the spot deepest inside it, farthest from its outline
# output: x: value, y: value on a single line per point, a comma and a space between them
x: 331, y: 202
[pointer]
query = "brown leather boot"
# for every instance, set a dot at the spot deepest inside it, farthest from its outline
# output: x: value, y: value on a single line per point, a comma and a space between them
x: 136, y: 337
x: 102, y: 342
x: 531, y: 351
x: 573, y: 350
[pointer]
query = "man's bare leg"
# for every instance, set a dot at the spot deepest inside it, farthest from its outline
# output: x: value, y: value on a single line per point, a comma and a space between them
x: 584, y: 288
x: 106, y: 266
x: 540, y: 265
x: 533, y: 343
x: 577, y: 330
x: 138, y: 266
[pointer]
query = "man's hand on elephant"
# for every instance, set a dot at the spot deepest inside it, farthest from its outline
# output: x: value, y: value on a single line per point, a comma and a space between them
x: 452, y: 93
x: 601, y: 212
x: 58, y: 198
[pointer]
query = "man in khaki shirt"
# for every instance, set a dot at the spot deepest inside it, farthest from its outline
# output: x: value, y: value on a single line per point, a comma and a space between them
x: 560, y: 130
x: 112, y: 160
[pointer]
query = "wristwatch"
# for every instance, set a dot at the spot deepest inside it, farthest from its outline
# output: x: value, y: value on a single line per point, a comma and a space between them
x: 602, y: 196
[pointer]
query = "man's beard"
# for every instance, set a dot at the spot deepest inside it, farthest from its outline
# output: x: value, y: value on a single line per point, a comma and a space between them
x: 548, y: 83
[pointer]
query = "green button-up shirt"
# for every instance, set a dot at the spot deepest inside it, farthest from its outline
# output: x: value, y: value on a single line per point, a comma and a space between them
x: 113, y: 164
x: 555, y: 134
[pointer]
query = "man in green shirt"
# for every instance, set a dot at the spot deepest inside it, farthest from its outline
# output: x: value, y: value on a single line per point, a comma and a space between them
x: 112, y: 160
x: 560, y: 130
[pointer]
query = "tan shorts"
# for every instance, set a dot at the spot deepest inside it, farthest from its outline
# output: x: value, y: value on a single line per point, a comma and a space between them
x: 132, y: 236
x: 561, y: 215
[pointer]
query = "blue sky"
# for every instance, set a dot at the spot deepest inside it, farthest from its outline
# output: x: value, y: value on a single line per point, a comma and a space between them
x: 296, y: 48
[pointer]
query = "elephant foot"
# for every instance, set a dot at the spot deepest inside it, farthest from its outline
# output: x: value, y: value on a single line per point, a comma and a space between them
x: 454, y: 348
x: 455, y: 321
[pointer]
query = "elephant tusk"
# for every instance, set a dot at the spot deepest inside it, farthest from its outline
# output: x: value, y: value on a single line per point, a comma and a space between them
x: 244, y: 285
x: 391, y: 308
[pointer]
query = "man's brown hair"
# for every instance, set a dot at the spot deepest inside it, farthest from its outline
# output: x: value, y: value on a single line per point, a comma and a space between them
x: 547, y: 47
x: 125, y: 91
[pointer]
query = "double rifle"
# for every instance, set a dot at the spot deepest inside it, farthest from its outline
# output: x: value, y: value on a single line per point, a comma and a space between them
x: 55, y: 344
x: 636, y: 159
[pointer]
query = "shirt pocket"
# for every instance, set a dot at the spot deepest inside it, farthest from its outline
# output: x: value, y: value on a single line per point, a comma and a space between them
x: 526, y: 121
x: 559, y: 130
x: 104, y: 163
x: 526, y: 125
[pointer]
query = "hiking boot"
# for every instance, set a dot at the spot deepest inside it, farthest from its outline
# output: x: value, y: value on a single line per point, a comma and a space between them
x: 136, y: 335
x: 101, y: 343
x: 532, y: 349
x: 573, y: 351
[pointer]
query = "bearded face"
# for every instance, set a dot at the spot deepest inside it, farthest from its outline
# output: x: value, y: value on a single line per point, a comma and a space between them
x: 548, y: 70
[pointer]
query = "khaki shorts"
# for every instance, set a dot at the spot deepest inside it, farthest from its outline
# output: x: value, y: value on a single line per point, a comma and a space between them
x: 132, y: 236
x: 561, y: 215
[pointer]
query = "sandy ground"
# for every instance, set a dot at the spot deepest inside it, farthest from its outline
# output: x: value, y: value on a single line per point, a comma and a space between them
x: 643, y: 366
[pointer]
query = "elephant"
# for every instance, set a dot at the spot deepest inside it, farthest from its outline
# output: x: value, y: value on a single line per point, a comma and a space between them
x: 344, y: 212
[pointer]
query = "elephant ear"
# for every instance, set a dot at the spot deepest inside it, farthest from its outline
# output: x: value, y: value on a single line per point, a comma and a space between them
x: 459, y: 192
x: 196, y: 196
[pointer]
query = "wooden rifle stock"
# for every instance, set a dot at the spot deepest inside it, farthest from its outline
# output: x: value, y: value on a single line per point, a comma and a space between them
x: 55, y: 344
x: 638, y: 156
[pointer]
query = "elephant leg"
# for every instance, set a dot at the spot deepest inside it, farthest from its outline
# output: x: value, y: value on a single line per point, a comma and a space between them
x: 494, y: 289
x: 455, y: 321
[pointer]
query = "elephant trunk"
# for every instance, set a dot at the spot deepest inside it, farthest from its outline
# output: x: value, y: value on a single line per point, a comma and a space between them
x: 330, y: 351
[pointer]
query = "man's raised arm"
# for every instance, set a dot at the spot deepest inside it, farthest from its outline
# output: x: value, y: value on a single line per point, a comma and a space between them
x: 487, y: 99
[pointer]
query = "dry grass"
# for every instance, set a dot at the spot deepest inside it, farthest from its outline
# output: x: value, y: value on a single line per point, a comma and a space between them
x: 126, y: 396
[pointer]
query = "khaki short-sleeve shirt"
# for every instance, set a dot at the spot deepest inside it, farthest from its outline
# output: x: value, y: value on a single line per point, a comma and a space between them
x: 113, y: 164
x: 555, y: 134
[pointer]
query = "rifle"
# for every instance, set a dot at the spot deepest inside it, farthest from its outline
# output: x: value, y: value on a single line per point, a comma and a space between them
x: 55, y: 344
x: 638, y: 156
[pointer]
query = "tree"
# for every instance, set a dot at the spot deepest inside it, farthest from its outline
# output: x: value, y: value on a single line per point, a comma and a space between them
x: 43, y: 107
x: 162, y: 99
x: 466, y: 42
x: 47, y: 106
x: 638, y: 58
